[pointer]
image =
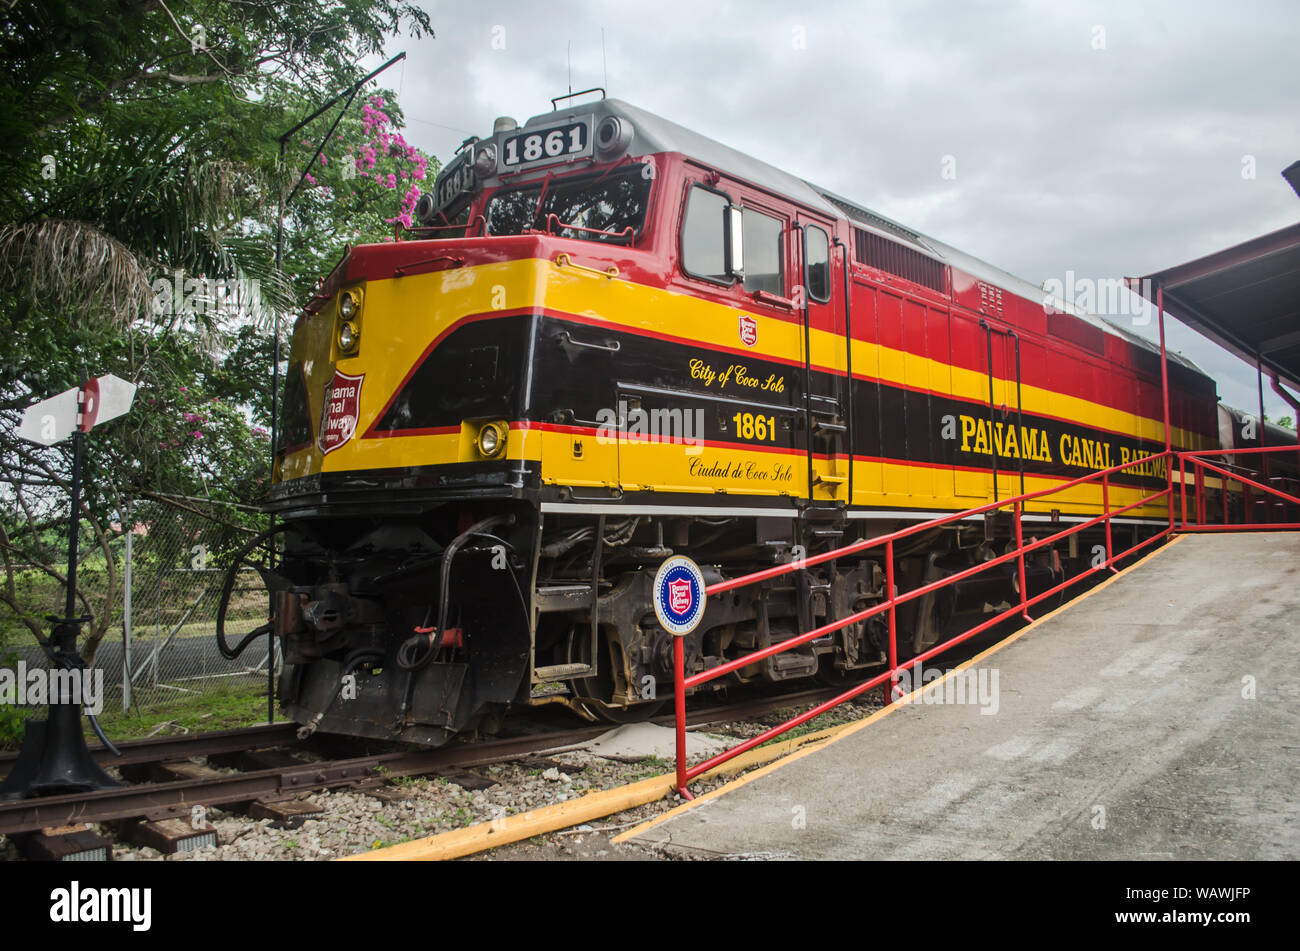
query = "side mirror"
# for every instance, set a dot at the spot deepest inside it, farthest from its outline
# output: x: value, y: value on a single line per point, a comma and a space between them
x: 735, y: 242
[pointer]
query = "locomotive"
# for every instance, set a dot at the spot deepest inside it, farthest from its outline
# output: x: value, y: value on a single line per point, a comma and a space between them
x: 610, y: 340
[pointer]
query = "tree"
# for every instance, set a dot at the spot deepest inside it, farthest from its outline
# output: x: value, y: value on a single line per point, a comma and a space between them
x: 139, y: 188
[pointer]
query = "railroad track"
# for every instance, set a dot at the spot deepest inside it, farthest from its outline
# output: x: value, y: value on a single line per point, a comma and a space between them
x: 283, y: 778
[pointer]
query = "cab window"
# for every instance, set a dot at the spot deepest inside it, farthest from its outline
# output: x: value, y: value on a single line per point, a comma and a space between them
x: 602, y: 208
x: 817, y: 249
x: 704, y: 235
x: 764, y: 270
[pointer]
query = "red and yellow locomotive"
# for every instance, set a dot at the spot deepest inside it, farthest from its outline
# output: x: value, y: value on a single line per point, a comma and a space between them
x: 612, y: 340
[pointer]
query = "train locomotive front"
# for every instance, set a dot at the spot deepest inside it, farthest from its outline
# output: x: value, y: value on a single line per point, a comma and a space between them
x: 612, y: 340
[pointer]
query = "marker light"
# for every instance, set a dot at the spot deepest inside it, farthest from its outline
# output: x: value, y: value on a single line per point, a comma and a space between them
x: 492, y: 439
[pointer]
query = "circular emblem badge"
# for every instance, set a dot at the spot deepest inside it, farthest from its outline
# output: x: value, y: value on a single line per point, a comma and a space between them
x: 679, y: 595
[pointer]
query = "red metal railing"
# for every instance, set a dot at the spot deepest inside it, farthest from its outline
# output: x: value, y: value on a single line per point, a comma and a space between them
x: 1283, y: 514
x: 894, y: 599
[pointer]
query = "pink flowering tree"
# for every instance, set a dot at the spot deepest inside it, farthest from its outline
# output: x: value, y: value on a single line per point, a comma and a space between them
x: 365, y: 182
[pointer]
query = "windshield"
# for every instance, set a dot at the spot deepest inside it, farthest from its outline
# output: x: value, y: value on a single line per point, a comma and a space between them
x: 597, y: 208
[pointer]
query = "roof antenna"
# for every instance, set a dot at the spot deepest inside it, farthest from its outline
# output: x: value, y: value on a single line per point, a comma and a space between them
x: 570, y: 58
x: 604, y: 63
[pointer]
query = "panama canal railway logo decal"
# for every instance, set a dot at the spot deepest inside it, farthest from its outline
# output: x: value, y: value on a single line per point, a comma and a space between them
x: 748, y: 330
x: 679, y: 595
x: 339, y: 411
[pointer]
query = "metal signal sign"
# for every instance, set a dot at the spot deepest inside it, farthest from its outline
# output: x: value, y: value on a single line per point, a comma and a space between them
x: 679, y: 595
x: 53, y: 420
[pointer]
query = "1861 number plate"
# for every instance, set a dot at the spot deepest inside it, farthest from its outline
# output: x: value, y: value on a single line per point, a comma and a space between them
x: 540, y: 146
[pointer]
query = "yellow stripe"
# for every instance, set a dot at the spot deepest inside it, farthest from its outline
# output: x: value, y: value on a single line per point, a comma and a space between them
x: 669, y: 312
x: 400, y: 316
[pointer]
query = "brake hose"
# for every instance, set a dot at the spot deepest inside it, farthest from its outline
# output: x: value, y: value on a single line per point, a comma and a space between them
x: 228, y: 652
x: 434, y: 638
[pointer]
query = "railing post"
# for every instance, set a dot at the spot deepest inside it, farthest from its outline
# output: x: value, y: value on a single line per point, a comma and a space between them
x: 1182, y: 486
x: 1200, y: 493
x: 1105, y: 503
x: 1169, y: 481
x: 1020, y: 562
x: 893, y: 622
x: 679, y: 702
x: 1263, y: 458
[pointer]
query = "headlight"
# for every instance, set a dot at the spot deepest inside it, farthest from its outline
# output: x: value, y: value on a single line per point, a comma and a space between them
x: 347, y: 305
x: 485, y: 160
x: 492, y: 439
x: 347, y: 337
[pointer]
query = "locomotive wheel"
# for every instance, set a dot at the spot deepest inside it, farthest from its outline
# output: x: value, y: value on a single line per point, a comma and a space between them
x: 832, y: 676
x: 595, y: 693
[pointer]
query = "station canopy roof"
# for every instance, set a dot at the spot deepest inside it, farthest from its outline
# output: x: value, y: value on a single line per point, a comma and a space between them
x: 1245, y: 298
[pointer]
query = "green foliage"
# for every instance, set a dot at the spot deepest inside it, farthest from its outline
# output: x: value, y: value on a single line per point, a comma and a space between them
x: 139, y: 179
x: 238, y: 703
x: 12, y: 716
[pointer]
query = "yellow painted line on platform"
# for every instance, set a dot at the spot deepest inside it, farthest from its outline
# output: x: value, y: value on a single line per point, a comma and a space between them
x: 561, y: 815
x: 840, y: 733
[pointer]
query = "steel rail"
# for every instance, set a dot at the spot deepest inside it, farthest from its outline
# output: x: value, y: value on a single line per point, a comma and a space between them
x: 176, y: 798
x: 163, y: 748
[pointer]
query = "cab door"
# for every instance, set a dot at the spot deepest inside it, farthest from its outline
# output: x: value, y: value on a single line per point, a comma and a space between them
x: 1005, y: 417
x: 826, y: 359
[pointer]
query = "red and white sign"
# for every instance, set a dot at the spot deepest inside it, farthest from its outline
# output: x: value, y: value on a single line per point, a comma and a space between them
x: 52, y: 420
x: 679, y: 595
x: 748, y: 330
x: 339, y: 411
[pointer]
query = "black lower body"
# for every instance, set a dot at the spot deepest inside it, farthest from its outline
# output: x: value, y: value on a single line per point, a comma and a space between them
x: 419, y: 614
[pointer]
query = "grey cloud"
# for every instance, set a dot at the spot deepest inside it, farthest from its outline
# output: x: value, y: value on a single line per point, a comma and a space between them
x: 1106, y: 162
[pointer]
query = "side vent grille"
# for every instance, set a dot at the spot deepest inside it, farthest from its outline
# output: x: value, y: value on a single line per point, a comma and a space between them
x: 879, y: 252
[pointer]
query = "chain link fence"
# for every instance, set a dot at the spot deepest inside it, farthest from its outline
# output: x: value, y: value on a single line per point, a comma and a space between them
x: 158, y: 573
x: 175, y: 564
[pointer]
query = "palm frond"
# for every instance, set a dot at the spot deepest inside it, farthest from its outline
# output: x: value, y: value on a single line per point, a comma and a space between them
x: 76, y: 267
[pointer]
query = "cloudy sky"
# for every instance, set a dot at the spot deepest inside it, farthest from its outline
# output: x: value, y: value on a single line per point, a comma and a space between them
x: 1108, y: 139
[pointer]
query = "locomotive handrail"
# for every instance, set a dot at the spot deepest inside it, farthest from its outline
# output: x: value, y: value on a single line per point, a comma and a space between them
x: 773, y: 300
x: 563, y: 260
x: 566, y: 339
x: 451, y: 259
x: 627, y: 233
x: 555, y: 103
x: 474, y: 223
x: 893, y: 599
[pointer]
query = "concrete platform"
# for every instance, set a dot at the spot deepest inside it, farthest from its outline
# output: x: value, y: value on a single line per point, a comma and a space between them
x: 1156, y: 718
